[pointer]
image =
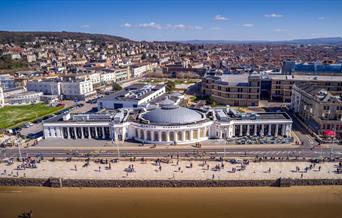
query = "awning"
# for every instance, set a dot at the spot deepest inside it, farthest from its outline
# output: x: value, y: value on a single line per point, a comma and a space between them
x: 329, y: 133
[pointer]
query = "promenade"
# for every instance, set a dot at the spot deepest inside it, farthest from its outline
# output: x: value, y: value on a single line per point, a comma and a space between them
x: 174, y: 170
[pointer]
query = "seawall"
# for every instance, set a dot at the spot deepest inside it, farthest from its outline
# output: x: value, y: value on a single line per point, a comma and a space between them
x: 58, y: 182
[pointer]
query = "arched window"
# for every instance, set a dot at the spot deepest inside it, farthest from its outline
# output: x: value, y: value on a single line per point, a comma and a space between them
x: 142, y: 134
x: 148, y: 137
x: 187, y: 135
x: 180, y: 136
x: 172, y: 136
x: 156, y: 136
x: 195, y: 132
x: 164, y: 137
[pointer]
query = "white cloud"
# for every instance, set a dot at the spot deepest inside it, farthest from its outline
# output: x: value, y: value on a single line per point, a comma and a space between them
x: 85, y: 26
x: 247, y: 25
x: 273, y: 15
x: 321, y: 18
x: 127, y: 25
x: 279, y: 30
x: 220, y: 17
x: 153, y: 25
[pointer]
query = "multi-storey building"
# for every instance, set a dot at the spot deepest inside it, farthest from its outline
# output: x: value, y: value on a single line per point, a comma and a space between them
x: 291, y: 67
x: 48, y: 87
x: 233, y: 89
x: 2, y: 97
x: 319, y: 108
x: 79, y: 90
x: 281, y: 89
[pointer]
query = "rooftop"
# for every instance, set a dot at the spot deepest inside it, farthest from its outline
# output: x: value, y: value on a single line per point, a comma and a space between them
x: 133, y: 92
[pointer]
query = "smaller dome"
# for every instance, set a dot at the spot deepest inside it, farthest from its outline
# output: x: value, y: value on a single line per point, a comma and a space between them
x: 166, y: 102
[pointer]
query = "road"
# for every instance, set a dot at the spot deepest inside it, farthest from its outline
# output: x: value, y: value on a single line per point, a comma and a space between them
x: 183, y: 152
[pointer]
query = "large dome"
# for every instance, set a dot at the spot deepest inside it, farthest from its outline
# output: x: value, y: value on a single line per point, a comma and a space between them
x: 172, y: 114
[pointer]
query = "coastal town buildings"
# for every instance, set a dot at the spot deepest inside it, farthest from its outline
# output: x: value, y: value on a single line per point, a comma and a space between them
x: 233, y: 89
x: 319, y: 108
x: 168, y: 123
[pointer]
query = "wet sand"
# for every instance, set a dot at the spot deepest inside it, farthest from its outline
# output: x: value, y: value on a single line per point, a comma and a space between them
x: 263, y: 202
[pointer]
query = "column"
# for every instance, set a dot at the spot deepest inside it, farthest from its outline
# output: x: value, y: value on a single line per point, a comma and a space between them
x: 96, y: 135
x: 103, y: 133
x: 283, y: 130
x: 159, y: 136
x: 276, y: 131
x: 191, y: 135
x: 167, y: 136
x: 269, y: 129
x: 241, y: 130
x: 255, y: 129
x: 69, y: 132
x: 248, y: 129
x: 82, y: 134
x: 262, y: 131
x: 183, y: 135
x: 176, y: 136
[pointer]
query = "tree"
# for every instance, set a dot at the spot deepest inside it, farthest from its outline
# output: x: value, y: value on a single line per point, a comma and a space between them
x: 170, y: 86
x: 116, y: 86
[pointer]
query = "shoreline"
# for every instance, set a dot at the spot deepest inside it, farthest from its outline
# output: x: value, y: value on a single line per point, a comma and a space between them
x: 97, y: 183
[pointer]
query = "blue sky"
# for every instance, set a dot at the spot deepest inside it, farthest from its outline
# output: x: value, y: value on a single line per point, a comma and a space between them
x: 177, y: 19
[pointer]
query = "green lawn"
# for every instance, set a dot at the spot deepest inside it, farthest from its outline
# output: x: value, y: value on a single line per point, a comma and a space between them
x: 11, y: 116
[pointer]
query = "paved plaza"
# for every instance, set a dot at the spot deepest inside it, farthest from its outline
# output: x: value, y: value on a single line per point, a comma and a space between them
x: 175, y: 169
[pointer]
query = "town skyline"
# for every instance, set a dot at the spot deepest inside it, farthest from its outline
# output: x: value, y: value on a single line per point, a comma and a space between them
x: 178, y: 20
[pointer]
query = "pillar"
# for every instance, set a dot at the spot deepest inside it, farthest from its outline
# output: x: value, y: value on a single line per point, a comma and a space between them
x: 241, y: 130
x: 82, y: 134
x: 167, y: 136
x: 191, y: 135
x: 269, y: 129
x: 262, y: 131
x: 248, y: 129
x: 103, y: 133
x: 96, y: 135
x: 283, y: 129
x: 159, y: 136
x: 175, y: 135
x: 276, y: 131
x: 183, y: 135
x: 255, y: 129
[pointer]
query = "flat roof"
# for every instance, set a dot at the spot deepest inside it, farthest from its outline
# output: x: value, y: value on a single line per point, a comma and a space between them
x: 133, y: 92
x: 307, y: 77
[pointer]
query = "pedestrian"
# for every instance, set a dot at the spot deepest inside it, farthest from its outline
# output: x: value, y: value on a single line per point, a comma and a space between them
x: 99, y: 168
x: 160, y: 168
x: 301, y: 176
x: 75, y: 167
x: 319, y: 168
x: 213, y: 176
x: 179, y: 169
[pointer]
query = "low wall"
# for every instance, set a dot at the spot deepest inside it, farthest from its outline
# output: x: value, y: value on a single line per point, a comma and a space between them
x: 58, y: 182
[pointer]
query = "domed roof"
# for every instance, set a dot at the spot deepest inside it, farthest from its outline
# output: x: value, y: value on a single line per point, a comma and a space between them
x: 172, y: 114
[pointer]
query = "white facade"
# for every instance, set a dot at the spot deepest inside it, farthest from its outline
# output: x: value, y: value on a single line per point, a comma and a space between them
x: 2, y: 97
x: 24, y: 98
x: 108, y: 77
x: 47, y: 87
x: 77, y: 89
x: 139, y: 71
x: 110, y: 103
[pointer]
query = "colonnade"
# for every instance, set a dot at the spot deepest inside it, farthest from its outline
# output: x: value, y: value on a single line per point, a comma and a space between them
x: 150, y: 135
x: 86, y: 132
x: 273, y: 129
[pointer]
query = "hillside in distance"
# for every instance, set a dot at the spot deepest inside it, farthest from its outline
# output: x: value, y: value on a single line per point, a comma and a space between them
x: 313, y: 41
x: 20, y: 37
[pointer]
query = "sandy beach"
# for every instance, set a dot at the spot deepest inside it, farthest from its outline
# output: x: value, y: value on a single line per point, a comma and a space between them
x: 177, y: 170
x: 262, y: 202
